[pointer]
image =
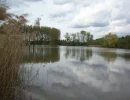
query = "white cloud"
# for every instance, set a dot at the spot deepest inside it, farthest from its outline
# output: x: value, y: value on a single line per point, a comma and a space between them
x: 97, y: 17
x: 17, y: 3
x: 121, y: 30
x: 61, y: 2
x: 62, y: 10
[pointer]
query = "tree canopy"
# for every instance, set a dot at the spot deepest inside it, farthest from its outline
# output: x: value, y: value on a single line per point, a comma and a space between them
x: 110, y: 40
x: 79, y: 38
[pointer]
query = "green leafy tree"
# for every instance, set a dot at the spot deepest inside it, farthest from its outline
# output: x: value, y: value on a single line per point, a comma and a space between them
x: 55, y: 36
x: 110, y: 40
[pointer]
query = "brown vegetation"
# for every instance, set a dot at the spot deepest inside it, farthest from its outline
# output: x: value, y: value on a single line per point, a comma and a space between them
x: 11, y: 51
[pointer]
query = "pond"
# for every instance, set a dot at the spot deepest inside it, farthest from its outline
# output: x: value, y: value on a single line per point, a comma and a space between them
x: 78, y: 73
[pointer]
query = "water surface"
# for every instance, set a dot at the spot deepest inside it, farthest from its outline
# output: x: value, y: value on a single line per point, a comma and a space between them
x: 78, y: 73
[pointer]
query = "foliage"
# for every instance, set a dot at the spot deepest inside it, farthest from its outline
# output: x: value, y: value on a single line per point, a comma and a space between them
x: 41, y: 35
x: 79, y: 38
x: 124, y: 42
x: 97, y: 42
x: 110, y: 40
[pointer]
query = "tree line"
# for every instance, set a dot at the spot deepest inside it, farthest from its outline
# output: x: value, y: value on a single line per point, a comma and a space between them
x: 111, y: 40
x: 79, y: 38
x: 38, y: 34
x: 41, y: 35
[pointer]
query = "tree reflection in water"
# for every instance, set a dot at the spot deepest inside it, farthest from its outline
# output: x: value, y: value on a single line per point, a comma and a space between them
x: 40, y: 54
x: 80, y: 54
x: 109, y: 56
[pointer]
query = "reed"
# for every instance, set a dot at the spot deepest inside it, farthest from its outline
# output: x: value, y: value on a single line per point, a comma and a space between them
x: 12, y: 46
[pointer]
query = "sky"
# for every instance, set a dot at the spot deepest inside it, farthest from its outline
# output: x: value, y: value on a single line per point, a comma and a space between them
x: 98, y: 17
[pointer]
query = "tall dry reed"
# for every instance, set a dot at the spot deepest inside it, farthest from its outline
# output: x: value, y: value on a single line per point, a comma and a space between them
x: 11, y: 51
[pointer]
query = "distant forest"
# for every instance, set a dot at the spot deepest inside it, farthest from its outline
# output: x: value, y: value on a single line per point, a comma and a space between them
x: 42, y: 35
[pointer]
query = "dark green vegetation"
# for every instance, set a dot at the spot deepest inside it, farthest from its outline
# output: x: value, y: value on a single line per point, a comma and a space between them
x: 79, y: 38
x: 124, y: 42
x: 112, y: 41
x: 83, y: 38
x: 41, y: 35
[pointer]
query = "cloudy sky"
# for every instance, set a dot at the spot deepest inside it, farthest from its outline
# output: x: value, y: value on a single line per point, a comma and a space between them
x: 96, y: 16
